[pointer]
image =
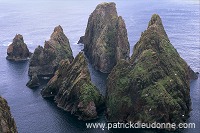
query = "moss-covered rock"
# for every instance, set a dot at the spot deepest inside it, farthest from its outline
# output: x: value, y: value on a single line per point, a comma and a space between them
x: 44, y: 61
x: 73, y: 90
x: 154, y: 85
x: 105, y: 40
x: 18, y: 51
x: 7, y: 123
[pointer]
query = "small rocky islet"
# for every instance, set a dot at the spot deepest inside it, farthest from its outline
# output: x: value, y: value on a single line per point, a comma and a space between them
x: 18, y: 51
x: 153, y: 85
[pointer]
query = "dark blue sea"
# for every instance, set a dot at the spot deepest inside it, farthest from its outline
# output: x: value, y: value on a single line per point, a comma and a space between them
x: 36, y: 19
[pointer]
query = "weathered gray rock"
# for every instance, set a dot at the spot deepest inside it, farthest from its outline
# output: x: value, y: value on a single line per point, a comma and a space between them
x: 73, y: 90
x: 105, y: 40
x: 33, y: 82
x: 18, y: 51
x: 44, y: 61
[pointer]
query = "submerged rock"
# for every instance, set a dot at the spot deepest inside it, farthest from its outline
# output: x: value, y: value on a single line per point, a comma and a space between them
x: 33, y: 82
x: 7, y: 123
x: 44, y: 61
x: 105, y: 40
x: 18, y: 51
x: 73, y: 90
x: 154, y: 86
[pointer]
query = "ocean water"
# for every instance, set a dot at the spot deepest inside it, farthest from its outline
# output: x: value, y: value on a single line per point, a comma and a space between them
x: 35, y: 20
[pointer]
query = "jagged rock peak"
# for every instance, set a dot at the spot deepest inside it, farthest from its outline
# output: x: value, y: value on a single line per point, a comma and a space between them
x: 155, y: 24
x: 18, y: 50
x: 155, y: 20
x: 58, y: 29
x: 82, y: 98
x: 154, y: 85
x: 45, y: 60
x: 18, y: 38
x: 105, y: 40
x: 109, y: 7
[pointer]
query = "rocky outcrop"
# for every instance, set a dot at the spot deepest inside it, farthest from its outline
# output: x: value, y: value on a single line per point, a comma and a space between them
x: 7, y: 123
x: 18, y: 50
x: 81, y: 40
x: 44, y: 61
x: 154, y: 86
x: 33, y: 82
x: 193, y: 75
x: 105, y: 40
x: 73, y: 90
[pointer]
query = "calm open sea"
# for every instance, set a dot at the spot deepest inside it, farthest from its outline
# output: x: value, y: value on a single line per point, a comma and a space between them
x: 35, y: 20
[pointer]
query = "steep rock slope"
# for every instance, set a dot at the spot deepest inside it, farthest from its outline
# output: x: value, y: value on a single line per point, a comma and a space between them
x: 73, y: 90
x: 7, y: 123
x: 18, y: 50
x: 44, y: 61
x: 105, y: 40
x: 154, y: 85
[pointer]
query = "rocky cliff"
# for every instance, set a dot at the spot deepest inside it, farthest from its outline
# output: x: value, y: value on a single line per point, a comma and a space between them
x: 18, y: 50
x: 154, y: 86
x: 105, y: 40
x: 73, y: 90
x: 44, y: 61
x: 7, y: 123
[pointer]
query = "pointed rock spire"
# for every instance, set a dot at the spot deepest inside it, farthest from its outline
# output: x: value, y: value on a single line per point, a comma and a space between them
x: 18, y: 50
x: 105, y: 40
x: 45, y: 60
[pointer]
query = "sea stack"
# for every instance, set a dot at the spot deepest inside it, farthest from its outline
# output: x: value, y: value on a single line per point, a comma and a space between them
x: 154, y: 86
x: 73, y: 90
x: 105, y: 40
x: 44, y: 61
x: 18, y: 51
x: 7, y: 123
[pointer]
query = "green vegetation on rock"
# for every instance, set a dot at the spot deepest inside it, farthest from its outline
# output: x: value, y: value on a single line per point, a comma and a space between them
x: 153, y: 85
x: 73, y: 90
x: 7, y: 123
x: 105, y: 40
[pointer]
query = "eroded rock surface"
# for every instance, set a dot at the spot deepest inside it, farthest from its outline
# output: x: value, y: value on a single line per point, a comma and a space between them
x: 105, y: 40
x: 154, y: 86
x: 73, y: 90
x: 45, y: 60
x: 18, y: 51
x: 7, y: 123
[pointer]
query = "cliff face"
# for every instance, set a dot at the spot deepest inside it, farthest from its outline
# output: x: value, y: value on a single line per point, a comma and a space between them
x: 73, y: 90
x: 154, y: 85
x: 44, y: 61
x: 105, y: 40
x: 7, y: 123
x: 18, y: 50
